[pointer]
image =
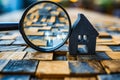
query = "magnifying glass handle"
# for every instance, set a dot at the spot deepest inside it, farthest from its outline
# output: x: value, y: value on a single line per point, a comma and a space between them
x: 5, y: 26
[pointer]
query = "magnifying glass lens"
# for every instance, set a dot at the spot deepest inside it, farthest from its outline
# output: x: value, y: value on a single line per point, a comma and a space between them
x: 45, y: 26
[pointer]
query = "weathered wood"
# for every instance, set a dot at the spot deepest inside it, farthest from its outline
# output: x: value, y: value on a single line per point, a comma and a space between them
x: 104, y: 34
x: 85, y: 67
x: 17, y: 55
x: 3, y: 63
x: 20, y: 67
x: 109, y: 77
x: 113, y: 55
x: 39, y: 56
x: 29, y: 49
x: 53, y: 68
x: 12, y: 48
x: 15, y: 77
x: 111, y: 66
x: 19, y: 41
x: 9, y: 37
x: 102, y: 48
x: 5, y: 55
x: 6, y: 42
x: 80, y: 78
x: 115, y: 48
x: 38, y: 42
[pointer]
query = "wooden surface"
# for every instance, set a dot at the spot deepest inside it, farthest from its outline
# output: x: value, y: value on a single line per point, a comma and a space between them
x: 19, y: 61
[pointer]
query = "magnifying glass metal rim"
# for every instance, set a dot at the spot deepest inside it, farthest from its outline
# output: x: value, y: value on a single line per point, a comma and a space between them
x: 21, y: 29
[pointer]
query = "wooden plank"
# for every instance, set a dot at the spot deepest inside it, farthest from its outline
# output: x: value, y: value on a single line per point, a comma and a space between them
x: 34, y: 16
x: 64, y: 30
x: 3, y: 63
x: 85, y: 67
x: 109, y: 77
x: 35, y: 29
x: 52, y: 19
x: 43, y: 20
x: 34, y: 33
x: 48, y: 8
x: 52, y: 68
x: 38, y: 42
x: 39, y: 56
x: 9, y: 37
x: 111, y: 66
x: 12, y: 48
x: 20, y: 67
x: 48, y: 78
x: 62, y: 19
x: 19, y: 41
x: 116, y: 38
x: 31, y: 29
x: 80, y: 78
x: 102, y: 56
x: 17, y: 55
x: 54, y: 30
x: 45, y: 28
x: 29, y: 49
x: 28, y: 23
x: 113, y: 55
x: 5, y: 55
x: 6, y: 42
x: 59, y: 25
x: 108, y: 43
x: 102, y: 48
x: 38, y: 25
x: 104, y: 34
x: 55, y: 13
x: 20, y: 48
x: 15, y: 77
x: 104, y: 40
x: 115, y: 48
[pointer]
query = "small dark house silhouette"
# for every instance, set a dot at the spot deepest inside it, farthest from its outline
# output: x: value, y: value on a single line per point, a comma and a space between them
x: 83, y: 33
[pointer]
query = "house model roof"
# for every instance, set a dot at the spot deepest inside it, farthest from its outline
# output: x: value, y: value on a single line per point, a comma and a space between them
x: 82, y: 26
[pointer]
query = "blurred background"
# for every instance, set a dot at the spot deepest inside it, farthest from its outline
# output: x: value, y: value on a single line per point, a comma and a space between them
x: 110, y: 7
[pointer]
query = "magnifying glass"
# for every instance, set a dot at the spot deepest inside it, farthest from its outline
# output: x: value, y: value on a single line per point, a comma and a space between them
x: 45, y: 26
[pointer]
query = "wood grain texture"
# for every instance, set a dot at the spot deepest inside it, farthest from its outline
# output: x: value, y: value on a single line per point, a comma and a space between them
x: 39, y: 42
x: 3, y: 63
x: 85, y: 67
x: 6, y: 42
x: 109, y: 77
x: 111, y: 66
x: 20, y: 67
x: 5, y: 55
x: 53, y: 68
x: 102, y: 48
x: 9, y: 37
x: 39, y: 56
x: 60, y: 65
x: 80, y: 78
x: 17, y: 55
x: 113, y: 55
x: 15, y: 77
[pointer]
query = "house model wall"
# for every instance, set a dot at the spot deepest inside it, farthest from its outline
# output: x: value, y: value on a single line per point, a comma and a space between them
x: 83, y: 34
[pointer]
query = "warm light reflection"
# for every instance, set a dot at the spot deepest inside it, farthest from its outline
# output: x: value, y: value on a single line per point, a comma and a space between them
x: 55, y: 0
x: 73, y: 0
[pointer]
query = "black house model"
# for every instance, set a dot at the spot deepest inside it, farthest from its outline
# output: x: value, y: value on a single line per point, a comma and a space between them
x: 83, y: 37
